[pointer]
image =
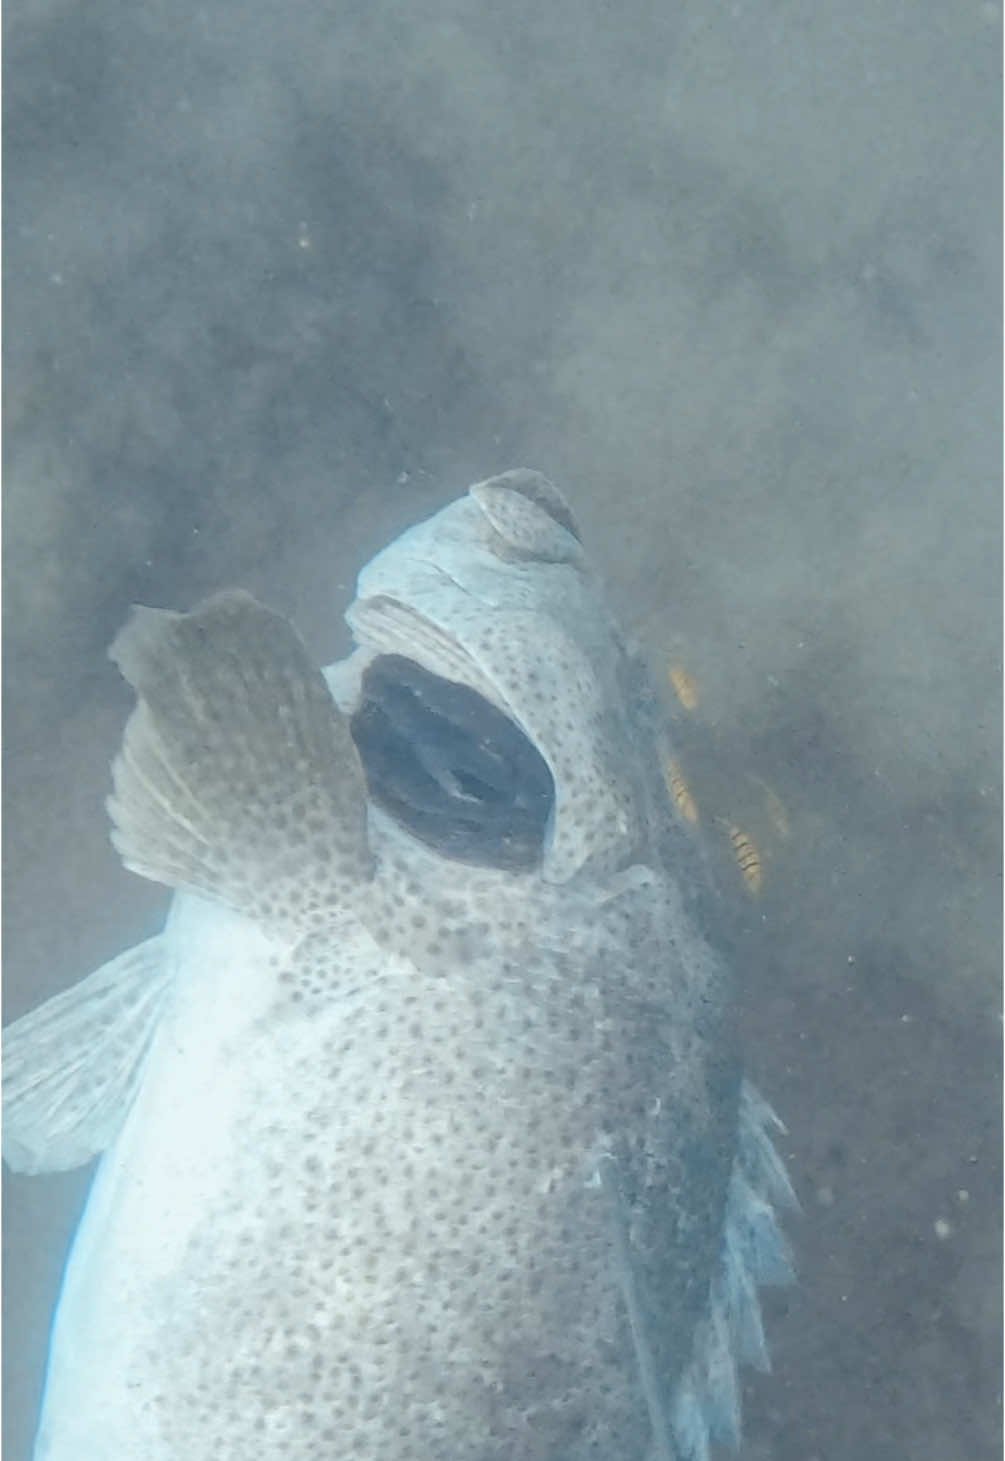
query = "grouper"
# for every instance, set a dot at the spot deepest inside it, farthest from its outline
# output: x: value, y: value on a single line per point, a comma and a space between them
x: 422, y: 1129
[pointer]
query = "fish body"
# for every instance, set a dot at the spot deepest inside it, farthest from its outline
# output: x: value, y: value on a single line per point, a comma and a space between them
x: 423, y: 1127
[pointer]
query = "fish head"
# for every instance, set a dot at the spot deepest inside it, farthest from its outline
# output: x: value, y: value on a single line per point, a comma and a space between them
x: 487, y: 690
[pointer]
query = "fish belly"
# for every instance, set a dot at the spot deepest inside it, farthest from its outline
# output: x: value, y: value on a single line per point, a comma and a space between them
x: 363, y: 1223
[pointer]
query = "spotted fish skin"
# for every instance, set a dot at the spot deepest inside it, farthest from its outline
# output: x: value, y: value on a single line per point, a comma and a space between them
x: 420, y: 1157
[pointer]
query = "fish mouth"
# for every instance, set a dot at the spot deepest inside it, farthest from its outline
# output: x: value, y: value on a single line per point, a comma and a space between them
x: 451, y: 768
x: 442, y: 746
x: 499, y: 653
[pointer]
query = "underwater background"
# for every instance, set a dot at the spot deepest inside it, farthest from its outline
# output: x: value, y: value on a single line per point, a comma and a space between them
x: 281, y: 281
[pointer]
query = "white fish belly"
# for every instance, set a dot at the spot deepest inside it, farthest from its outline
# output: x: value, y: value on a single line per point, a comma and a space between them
x: 362, y: 1225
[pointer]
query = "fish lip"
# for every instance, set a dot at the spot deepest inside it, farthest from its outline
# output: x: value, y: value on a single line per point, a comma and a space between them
x: 386, y: 623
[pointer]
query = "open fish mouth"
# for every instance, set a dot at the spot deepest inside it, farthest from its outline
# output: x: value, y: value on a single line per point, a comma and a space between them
x: 451, y: 768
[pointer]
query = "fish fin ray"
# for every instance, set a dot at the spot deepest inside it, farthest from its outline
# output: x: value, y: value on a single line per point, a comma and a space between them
x: 238, y: 777
x: 71, y: 1067
x: 754, y: 1253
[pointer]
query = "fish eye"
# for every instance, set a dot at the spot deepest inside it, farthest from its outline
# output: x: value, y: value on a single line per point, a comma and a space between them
x: 544, y: 494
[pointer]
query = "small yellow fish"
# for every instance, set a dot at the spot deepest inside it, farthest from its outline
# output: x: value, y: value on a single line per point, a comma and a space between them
x: 684, y: 685
x: 680, y: 792
x: 748, y: 858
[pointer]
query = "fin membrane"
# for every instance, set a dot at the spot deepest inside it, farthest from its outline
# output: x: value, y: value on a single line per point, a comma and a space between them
x: 707, y: 1403
x: 238, y: 776
x: 72, y: 1067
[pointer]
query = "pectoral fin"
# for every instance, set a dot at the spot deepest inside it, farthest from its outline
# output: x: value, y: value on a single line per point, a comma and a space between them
x: 238, y: 777
x: 71, y: 1067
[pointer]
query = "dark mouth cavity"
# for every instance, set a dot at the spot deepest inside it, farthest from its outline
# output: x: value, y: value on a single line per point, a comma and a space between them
x: 451, y: 768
